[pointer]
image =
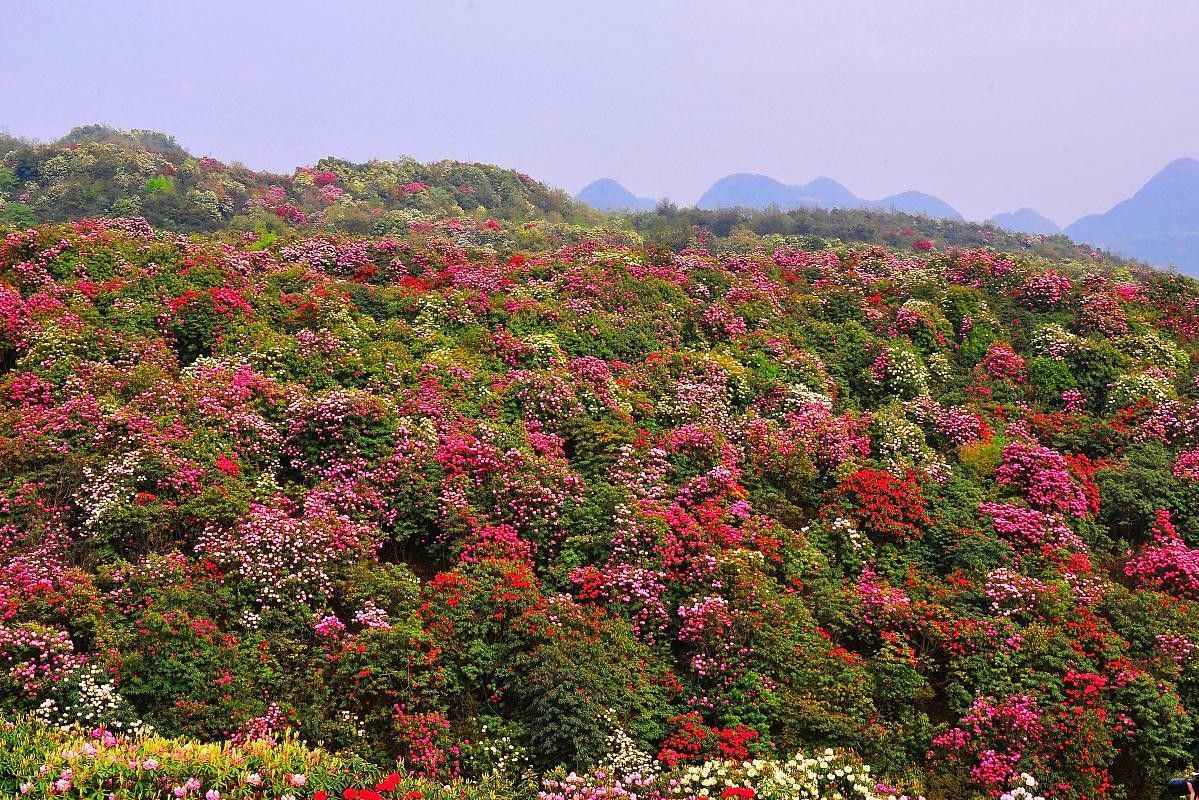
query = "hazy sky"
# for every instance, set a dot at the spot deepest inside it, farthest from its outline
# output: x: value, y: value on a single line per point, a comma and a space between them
x: 1067, y: 107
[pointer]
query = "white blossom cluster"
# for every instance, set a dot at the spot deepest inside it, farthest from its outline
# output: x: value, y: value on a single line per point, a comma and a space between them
x: 50, y: 346
x: 1153, y: 349
x: 823, y: 776
x: 435, y: 315
x: 354, y: 722
x: 798, y: 396
x: 1128, y: 389
x: 1025, y: 791
x: 850, y: 538
x: 901, y: 373
x: 896, y: 440
x: 622, y: 755
x: 107, y: 488
x: 505, y: 759
x: 98, y: 704
x: 1054, y: 341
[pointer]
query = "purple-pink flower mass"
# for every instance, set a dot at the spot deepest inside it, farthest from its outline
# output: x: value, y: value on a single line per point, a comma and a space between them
x: 419, y: 479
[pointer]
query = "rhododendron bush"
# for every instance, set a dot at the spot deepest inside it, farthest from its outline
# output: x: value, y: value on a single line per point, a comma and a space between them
x: 470, y: 508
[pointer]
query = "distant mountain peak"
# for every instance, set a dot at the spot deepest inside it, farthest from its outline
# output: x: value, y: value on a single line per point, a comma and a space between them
x: 605, y: 184
x: 1159, y: 224
x: 916, y: 204
x: 827, y: 184
x: 1026, y: 220
x: 751, y: 190
x: 1186, y: 163
x: 607, y: 194
x: 1181, y: 172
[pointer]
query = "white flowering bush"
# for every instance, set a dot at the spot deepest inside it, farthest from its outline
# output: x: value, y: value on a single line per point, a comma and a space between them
x: 1153, y: 350
x: 897, y: 440
x: 1128, y: 389
x: 1026, y: 789
x: 108, y: 488
x: 88, y: 698
x: 900, y: 373
x: 826, y: 775
x: 1053, y: 341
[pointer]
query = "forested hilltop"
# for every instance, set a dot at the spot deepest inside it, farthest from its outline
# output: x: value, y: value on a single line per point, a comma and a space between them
x: 538, y: 502
x: 99, y: 171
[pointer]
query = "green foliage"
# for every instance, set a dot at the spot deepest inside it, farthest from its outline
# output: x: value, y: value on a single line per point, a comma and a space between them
x: 17, y: 215
x: 1134, y: 490
x: 1049, y: 378
x: 159, y: 184
x: 589, y: 678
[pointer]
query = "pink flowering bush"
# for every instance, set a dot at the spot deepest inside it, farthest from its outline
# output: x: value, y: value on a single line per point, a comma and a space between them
x: 1044, y: 477
x: 1045, y: 290
x: 479, y: 499
x: 1166, y: 563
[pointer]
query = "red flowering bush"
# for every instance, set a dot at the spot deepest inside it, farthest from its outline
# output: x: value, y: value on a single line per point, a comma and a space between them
x: 885, y: 506
x: 693, y: 742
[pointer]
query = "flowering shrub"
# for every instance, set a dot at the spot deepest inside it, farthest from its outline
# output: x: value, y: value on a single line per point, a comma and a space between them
x: 284, y: 557
x: 995, y: 735
x: 1003, y: 363
x: 99, y: 763
x: 900, y: 372
x: 1100, y: 312
x: 1045, y: 290
x: 824, y: 775
x: 1167, y: 563
x: 476, y: 502
x: 1031, y: 530
x: 884, y: 505
x: 1045, y: 478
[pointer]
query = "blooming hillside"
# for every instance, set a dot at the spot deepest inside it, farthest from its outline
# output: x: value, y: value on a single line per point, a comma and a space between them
x: 97, y: 170
x: 494, y: 500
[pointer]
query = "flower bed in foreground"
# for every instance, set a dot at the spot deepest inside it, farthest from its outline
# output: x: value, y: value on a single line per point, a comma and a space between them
x: 40, y: 761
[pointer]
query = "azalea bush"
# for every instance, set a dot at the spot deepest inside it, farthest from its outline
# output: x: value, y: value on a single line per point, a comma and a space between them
x: 519, y: 508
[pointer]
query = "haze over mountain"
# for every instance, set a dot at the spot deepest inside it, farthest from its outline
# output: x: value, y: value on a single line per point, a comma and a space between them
x: 747, y: 190
x: 1160, y: 223
x: 1026, y: 220
x: 176, y: 190
x: 144, y: 173
x: 607, y: 194
x: 916, y: 203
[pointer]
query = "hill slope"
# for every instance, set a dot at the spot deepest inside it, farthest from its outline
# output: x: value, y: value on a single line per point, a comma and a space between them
x: 97, y: 171
x: 472, y: 488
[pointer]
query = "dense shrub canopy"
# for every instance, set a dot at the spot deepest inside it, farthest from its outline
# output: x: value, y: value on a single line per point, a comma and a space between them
x: 96, y: 170
x: 491, y: 497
